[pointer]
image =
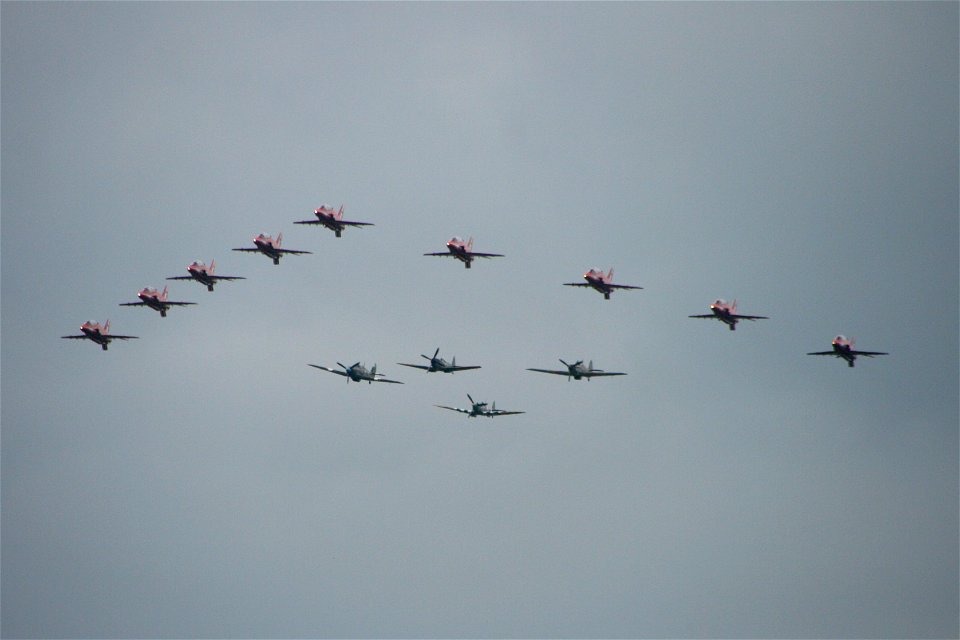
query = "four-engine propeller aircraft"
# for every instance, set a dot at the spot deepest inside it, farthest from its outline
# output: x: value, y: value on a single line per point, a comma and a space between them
x: 727, y: 312
x: 270, y: 247
x: 577, y: 370
x: 463, y: 251
x: 99, y: 334
x: 204, y: 274
x: 155, y: 299
x: 438, y: 364
x: 601, y: 282
x: 358, y: 373
x: 843, y: 348
x: 480, y: 409
x: 333, y: 220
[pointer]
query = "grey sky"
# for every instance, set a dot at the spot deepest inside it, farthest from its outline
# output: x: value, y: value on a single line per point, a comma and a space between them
x: 204, y: 482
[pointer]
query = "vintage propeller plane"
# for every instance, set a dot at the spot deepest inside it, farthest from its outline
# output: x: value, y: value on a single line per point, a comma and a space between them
x: 480, y: 409
x: 577, y: 370
x: 358, y: 373
x: 439, y: 364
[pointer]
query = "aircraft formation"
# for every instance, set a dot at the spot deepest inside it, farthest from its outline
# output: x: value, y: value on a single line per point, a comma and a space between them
x: 457, y: 248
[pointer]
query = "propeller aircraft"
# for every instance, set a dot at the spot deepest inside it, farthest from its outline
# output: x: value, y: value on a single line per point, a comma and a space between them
x: 439, y: 364
x: 480, y: 409
x: 358, y: 373
x: 577, y: 371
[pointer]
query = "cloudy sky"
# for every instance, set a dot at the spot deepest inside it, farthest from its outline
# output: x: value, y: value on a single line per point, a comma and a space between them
x: 203, y: 481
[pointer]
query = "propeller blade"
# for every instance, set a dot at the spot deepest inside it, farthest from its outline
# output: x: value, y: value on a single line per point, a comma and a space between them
x: 470, y: 399
x: 344, y: 366
x: 564, y: 363
x: 436, y: 352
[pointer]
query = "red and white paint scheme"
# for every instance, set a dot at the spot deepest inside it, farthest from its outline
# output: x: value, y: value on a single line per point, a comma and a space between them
x: 98, y: 333
x: 843, y: 348
x: 726, y: 312
x: 333, y: 219
x: 204, y: 274
x: 601, y: 282
x: 271, y: 247
x: 155, y: 299
x: 463, y: 251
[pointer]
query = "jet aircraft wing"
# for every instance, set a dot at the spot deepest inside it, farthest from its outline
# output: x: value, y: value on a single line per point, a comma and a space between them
x: 622, y: 286
x: 293, y: 251
x: 869, y: 354
x: 476, y: 254
x: 577, y: 284
x: 739, y: 317
x: 347, y: 223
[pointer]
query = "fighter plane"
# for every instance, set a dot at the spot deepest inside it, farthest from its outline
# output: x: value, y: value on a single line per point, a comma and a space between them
x: 843, y: 348
x: 99, y: 334
x: 463, y: 251
x: 438, y: 364
x: 155, y: 299
x: 204, y: 274
x: 577, y: 371
x: 333, y: 220
x: 358, y: 373
x: 270, y: 247
x: 727, y: 313
x: 480, y: 409
x: 603, y: 283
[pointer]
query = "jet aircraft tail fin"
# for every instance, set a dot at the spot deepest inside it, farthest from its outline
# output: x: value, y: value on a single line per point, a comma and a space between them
x: 213, y: 265
x: 340, y: 213
x: 279, y: 239
x: 470, y: 244
x: 610, y: 275
x: 163, y: 295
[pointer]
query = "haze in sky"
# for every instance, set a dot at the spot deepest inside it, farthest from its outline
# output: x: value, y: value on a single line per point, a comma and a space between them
x: 204, y: 481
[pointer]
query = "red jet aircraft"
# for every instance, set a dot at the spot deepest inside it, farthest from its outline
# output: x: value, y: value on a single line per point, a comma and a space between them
x: 727, y: 313
x: 99, y: 334
x: 463, y: 251
x: 270, y: 247
x: 333, y: 220
x: 155, y: 299
x: 204, y: 274
x: 603, y: 283
x: 843, y: 348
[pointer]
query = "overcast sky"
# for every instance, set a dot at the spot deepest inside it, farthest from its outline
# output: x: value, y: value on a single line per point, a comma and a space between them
x: 203, y: 481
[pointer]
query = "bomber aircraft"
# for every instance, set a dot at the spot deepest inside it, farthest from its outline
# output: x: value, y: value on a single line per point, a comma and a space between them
x: 270, y: 247
x: 601, y: 282
x: 204, y: 274
x: 727, y: 313
x: 155, y: 299
x: 98, y: 333
x: 843, y: 348
x: 358, y: 373
x: 333, y: 220
x: 439, y: 364
x: 463, y: 251
x: 480, y: 409
x: 577, y: 371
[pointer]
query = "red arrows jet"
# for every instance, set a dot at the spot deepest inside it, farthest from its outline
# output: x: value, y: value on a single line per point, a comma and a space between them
x: 463, y: 251
x: 99, y: 334
x: 204, y: 274
x: 843, y: 348
x: 603, y: 283
x: 155, y: 299
x: 727, y: 313
x: 333, y: 220
x: 270, y: 247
